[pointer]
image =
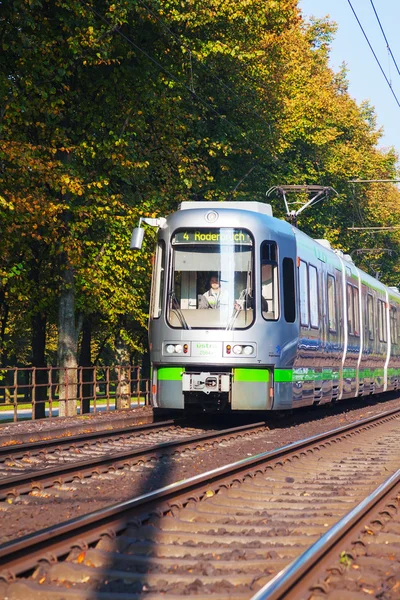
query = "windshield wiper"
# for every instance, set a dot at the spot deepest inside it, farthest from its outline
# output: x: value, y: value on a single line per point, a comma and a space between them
x: 244, y: 302
x: 176, y: 308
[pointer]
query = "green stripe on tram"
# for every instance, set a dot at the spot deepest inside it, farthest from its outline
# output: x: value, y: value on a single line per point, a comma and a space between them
x: 253, y: 375
x: 283, y: 375
x: 170, y: 373
x: 304, y: 374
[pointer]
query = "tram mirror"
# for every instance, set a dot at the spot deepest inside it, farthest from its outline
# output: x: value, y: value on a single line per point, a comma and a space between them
x: 137, y: 238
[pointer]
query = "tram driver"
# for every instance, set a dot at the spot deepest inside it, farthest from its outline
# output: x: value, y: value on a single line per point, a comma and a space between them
x: 216, y: 296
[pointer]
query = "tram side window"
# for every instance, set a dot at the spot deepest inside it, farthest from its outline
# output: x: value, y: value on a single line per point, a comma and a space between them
x: 304, y: 305
x: 332, y: 319
x: 382, y: 321
x: 356, y: 309
x: 289, y: 292
x: 157, y: 288
x: 353, y: 310
x: 269, y: 281
x: 370, y: 314
x: 398, y: 323
x: 393, y: 325
x: 350, y: 317
x: 314, y: 296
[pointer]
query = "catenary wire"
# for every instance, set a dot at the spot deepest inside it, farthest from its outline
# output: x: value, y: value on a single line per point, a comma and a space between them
x: 385, y: 38
x: 373, y: 52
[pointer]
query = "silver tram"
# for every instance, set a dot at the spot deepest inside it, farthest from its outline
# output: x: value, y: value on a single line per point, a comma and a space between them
x: 295, y: 323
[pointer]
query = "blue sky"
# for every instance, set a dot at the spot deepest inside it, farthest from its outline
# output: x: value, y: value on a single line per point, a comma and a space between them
x: 350, y: 46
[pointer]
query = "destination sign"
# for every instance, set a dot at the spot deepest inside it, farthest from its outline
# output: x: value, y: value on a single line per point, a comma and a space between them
x: 212, y: 236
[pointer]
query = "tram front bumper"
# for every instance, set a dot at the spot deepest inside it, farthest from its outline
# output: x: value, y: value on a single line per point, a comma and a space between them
x: 243, y: 388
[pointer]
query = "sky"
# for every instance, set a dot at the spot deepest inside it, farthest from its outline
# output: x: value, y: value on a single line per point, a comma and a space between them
x: 366, y: 81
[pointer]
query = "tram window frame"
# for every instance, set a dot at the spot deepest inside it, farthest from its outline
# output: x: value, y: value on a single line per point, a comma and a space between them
x: 398, y: 323
x: 269, y: 257
x: 158, y: 281
x: 370, y: 317
x: 356, y: 306
x: 332, y: 323
x: 382, y: 329
x: 393, y: 325
x: 314, y: 306
x: 353, y: 310
x: 289, y: 290
x: 304, y: 294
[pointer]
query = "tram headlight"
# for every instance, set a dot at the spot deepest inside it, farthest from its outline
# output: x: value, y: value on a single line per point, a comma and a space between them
x: 176, y: 348
x: 248, y: 350
x: 240, y: 350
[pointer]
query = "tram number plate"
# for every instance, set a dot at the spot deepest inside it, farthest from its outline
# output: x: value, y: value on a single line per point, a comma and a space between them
x: 207, y: 349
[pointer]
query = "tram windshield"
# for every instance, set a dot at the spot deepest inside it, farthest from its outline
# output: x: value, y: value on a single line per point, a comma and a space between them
x: 211, y: 279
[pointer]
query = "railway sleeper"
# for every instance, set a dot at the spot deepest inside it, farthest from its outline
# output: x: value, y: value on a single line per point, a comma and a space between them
x: 253, y: 519
x: 73, y: 573
x: 22, y: 590
x: 182, y: 526
x: 271, y: 511
x: 130, y: 545
x: 305, y: 504
x: 101, y: 558
x: 157, y: 536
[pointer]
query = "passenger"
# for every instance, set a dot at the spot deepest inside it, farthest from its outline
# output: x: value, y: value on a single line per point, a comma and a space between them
x: 212, y: 298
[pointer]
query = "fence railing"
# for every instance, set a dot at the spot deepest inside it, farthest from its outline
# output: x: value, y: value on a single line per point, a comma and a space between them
x: 33, y: 392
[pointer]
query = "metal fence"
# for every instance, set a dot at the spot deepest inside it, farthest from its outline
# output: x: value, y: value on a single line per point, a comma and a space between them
x: 32, y: 392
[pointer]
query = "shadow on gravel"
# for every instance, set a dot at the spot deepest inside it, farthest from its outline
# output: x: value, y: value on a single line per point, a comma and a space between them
x: 133, y: 551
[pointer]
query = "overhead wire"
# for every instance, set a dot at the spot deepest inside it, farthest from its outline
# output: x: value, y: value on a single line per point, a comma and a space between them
x: 384, y: 37
x: 373, y: 52
x: 357, y: 206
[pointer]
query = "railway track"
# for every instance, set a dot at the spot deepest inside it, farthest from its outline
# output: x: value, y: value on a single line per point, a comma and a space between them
x: 222, y: 534
x: 85, y: 458
x: 357, y: 558
x: 37, y: 455
x: 16, y: 434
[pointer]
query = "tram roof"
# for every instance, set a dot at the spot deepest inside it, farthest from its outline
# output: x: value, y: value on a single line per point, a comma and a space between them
x: 258, y: 207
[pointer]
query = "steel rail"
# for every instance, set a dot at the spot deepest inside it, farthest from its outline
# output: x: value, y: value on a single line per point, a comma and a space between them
x: 285, y: 582
x: 25, y: 482
x: 22, y: 554
x: 22, y: 449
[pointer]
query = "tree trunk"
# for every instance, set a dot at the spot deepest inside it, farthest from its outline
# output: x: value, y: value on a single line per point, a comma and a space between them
x: 39, y: 392
x: 85, y: 361
x: 67, y: 346
x: 123, y: 393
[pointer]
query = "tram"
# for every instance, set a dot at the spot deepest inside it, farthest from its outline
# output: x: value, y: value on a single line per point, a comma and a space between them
x: 294, y: 322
